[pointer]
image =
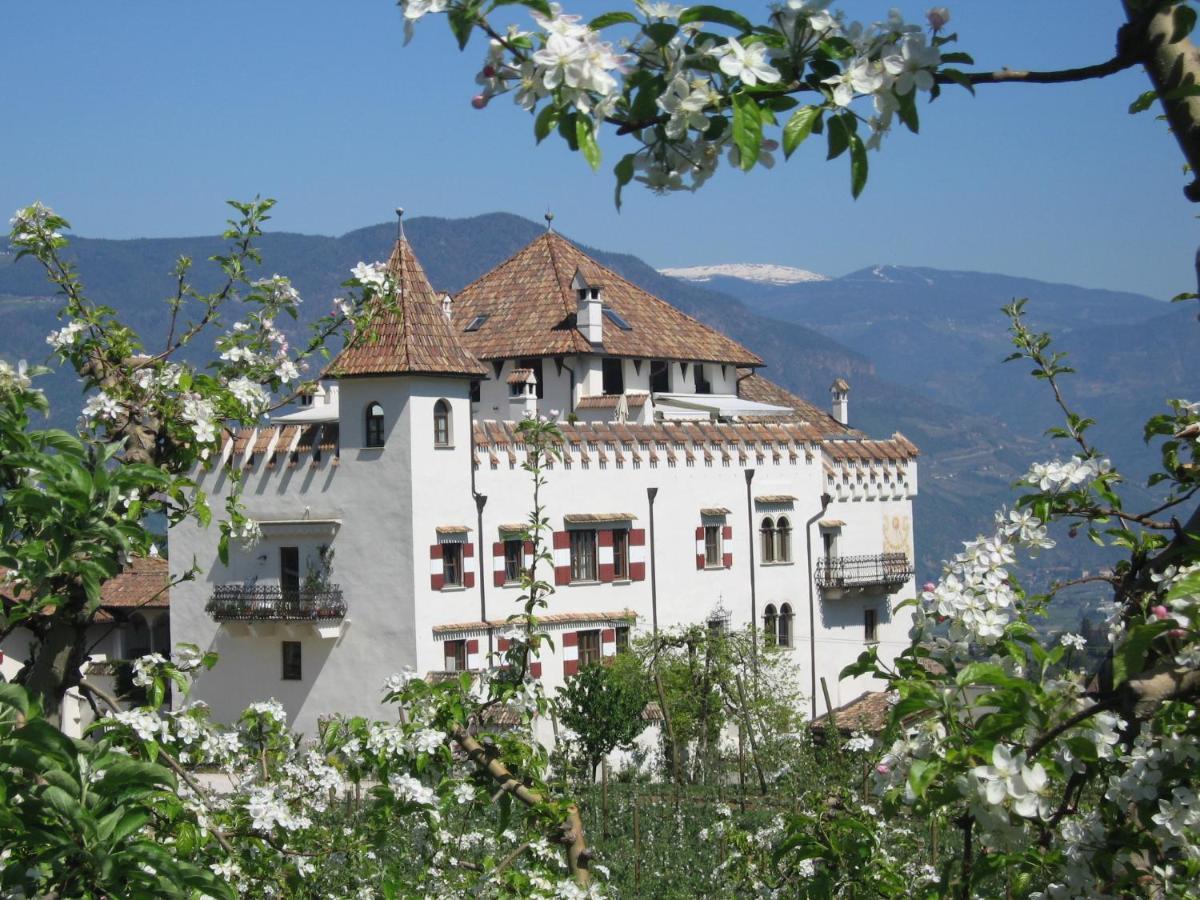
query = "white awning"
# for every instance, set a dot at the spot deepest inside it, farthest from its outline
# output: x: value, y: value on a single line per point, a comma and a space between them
x: 309, y: 415
x: 725, y: 406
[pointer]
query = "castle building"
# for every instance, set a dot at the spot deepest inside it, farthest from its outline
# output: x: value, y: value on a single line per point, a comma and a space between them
x: 690, y: 490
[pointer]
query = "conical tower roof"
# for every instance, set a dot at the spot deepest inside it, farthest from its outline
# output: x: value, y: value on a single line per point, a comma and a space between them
x: 412, y: 336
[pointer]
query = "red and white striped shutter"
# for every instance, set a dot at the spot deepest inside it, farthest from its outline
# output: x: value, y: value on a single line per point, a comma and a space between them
x: 498, y: 564
x: 473, y: 654
x: 727, y: 546
x: 468, y: 565
x: 699, y: 546
x: 436, y: 580
x: 448, y: 656
x: 604, y: 558
x: 570, y: 645
x: 535, y: 669
x: 637, y: 554
x: 527, y: 554
x: 562, y: 557
x: 502, y: 644
x: 608, y: 642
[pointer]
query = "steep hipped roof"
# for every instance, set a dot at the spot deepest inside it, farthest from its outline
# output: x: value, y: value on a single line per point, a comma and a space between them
x: 530, y: 306
x: 414, y: 337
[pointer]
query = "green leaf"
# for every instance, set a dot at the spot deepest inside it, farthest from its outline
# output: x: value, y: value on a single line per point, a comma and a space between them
x: 586, y: 138
x: 1185, y: 587
x: 838, y: 136
x: 921, y: 774
x: 611, y: 18
x: 1143, y: 102
x: 747, y: 129
x: 718, y: 15
x: 958, y: 77
x: 858, y: 165
x: 907, y: 111
x: 624, y: 172
x: 799, y: 127
x: 660, y: 32
x: 545, y: 122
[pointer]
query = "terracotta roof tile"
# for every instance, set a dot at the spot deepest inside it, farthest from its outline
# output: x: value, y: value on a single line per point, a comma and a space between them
x: 752, y: 386
x: 143, y: 584
x: 531, y: 312
x: 415, y: 337
x: 869, y: 713
x: 609, y: 401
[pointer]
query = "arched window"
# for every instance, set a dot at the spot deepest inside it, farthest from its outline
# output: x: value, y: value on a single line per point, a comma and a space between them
x: 783, y: 540
x: 769, y: 622
x: 768, y: 540
x: 785, y: 625
x: 374, y: 425
x: 441, y: 424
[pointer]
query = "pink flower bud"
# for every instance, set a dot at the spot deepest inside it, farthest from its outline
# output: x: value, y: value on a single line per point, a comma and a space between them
x: 479, y: 101
x: 1178, y: 632
x: 929, y: 587
x: 1160, y: 612
x: 938, y: 17
x: 883, y: 768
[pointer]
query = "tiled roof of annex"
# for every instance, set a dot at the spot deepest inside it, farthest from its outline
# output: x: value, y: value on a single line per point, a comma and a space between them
x: 143, y: 584
x: 491, y: 436
x: 530, y: 309
x: 413, y: 338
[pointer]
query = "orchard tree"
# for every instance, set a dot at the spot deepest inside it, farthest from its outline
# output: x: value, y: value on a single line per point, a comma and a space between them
x: 602, y: 706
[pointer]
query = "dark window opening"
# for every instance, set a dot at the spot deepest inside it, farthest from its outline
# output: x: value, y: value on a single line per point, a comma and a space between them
x: 589, y: 647
x: 622, y: 638
x: 768, y: 540
x: 785, y: 626
x: 620, y: 553
x: 475, y: 390
x: 712, y: 545
x: 534, y: 363
x: 289, y: 572
x: 452, y: 565
x: 783, y: 540
x: 614, y: 375
x: 374, y: 425
x: 514, y: 559
x: 869, y: 623
x: 660, y: 376
x: 770, y: 621
x: 441, y: 423
x: 829, y: 545
x: 291, y: 661
x: 583, y: 555
x: 701, y: 383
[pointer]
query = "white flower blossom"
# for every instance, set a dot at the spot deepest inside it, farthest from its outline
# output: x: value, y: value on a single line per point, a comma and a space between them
x: 747, y: 62
x: 65, y: 337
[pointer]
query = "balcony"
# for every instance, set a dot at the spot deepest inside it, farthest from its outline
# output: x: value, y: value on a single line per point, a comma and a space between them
x: 271, y: 603
x: 886, y: 570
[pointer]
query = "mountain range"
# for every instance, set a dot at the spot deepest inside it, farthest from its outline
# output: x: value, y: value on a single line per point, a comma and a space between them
x: 921, y: 348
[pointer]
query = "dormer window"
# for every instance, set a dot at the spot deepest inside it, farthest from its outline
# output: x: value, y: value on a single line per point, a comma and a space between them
x: 441, y: 424
x: 374, y: 422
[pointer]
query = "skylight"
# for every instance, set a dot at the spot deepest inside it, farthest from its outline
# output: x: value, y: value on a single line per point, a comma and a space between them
x: 616, y: 318
x: 476, y: 323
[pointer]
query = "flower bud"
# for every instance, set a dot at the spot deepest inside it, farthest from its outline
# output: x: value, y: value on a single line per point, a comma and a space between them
x: 489, y: 71
x: 883, y: 769
x: 929, y: 587
x: 479, y: 101
x: 1160, y: 611
x: 938, y: 17
x: 1178, y: 632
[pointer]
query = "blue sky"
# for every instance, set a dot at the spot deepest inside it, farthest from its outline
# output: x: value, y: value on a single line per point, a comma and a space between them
x: 139, y: 118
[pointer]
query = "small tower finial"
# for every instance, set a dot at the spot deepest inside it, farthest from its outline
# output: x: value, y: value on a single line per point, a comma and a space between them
x: 549, y: 217
x: 399, y: 222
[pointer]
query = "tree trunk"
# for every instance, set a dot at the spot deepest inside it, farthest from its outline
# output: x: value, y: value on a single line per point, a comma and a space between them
x: 1170, y: 66
x: 58, y: 658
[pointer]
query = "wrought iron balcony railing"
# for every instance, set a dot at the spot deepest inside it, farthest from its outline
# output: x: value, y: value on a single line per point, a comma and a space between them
x: 888, y: 570
x: 265, y: 602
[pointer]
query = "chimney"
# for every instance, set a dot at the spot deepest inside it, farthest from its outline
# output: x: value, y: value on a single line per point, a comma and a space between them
x: 447, y: 304
x: 522, y: 395
x: 840, y: 393
x: 589, y: 309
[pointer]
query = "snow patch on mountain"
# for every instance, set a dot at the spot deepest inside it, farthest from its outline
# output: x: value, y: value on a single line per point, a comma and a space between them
x: 765, y: 273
